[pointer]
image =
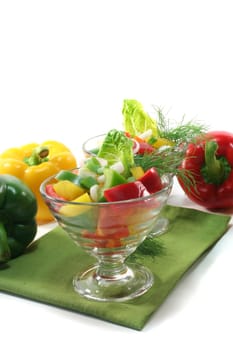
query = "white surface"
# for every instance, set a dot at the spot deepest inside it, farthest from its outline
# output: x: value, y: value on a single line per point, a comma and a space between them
x: 65, y: 68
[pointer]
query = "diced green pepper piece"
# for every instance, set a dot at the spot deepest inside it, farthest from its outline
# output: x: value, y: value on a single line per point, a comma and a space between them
x: 131, y: 179
x: 112, y: 178
x: 68, y: 175
x: 93, y: 164
x: 87, y: 181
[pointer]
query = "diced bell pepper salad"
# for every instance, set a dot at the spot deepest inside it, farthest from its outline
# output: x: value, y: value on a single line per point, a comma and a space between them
x: 104, y: 184
x: 100, y: 180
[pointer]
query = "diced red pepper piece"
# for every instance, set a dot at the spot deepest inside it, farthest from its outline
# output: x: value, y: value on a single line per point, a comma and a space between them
x: 144, y: 147
x: 102, y: 241
x: 113, y: 221
x: 126, y: 191
x: 52, y: 193
x: 113, y: 243
x: 108, y: 232
x: 151, y: 180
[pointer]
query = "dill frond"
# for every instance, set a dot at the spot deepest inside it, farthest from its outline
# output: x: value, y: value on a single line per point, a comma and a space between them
x: 150, y: 247
x: 165, y: 161
x: 180, y: 132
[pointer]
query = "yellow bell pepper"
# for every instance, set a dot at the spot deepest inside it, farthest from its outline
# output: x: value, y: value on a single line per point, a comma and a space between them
x: 33, y: 163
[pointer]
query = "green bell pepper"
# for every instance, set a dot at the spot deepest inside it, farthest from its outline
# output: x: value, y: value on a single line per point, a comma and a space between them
x: 18, y: 208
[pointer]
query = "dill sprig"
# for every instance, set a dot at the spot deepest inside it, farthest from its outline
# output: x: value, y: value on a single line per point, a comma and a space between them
x: 150, y: 247
x: 180, y: 132
x: 165, y: 161
x: 168, y: 159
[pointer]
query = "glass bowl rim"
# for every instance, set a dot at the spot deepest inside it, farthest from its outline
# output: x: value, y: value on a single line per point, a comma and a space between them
x: 90, y: 139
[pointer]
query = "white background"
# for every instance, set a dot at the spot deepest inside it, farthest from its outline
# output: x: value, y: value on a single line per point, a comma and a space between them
x: 65, y: 68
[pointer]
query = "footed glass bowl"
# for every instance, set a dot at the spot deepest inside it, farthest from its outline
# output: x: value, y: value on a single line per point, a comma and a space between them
x: 110, y: 231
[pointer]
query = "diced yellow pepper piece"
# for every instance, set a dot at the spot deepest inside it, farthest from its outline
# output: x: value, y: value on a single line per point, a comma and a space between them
x: 161, y: 141
x: 68, y: 190
x: 137, y: 172
x: 74, y: 210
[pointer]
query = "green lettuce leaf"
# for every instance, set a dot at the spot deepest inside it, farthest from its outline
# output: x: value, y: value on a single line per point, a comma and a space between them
x: 135, y: 120
x: 117, y: 147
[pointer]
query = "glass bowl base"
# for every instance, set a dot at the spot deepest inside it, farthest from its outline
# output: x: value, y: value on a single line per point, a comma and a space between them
x: 135, y: 281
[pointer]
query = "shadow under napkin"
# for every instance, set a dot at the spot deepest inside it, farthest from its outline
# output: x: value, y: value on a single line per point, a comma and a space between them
x: 44, y: 273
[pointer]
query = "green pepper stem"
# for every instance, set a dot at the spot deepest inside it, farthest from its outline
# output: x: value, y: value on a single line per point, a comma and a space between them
x: 39, y: 155
x: 212, y: 163
x: 4, y: 247
x: 215, y: 170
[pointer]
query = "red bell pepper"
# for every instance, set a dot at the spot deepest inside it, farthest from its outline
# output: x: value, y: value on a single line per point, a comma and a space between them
x: 209, y: 166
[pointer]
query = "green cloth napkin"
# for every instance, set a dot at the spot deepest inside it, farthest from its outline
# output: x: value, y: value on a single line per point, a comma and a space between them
x: 44, y: 273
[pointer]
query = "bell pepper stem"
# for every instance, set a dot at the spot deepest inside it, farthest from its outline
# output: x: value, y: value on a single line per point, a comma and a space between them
x: 212, y: 163
x: 215, y: 170
x: 38, y: 156
x: 4, y: 247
